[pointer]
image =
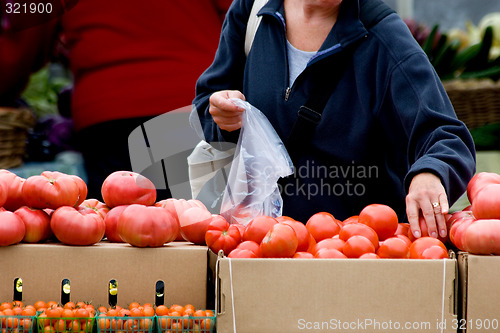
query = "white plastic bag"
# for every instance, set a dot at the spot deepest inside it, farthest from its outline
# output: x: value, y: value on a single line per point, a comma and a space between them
x: 260, y: 160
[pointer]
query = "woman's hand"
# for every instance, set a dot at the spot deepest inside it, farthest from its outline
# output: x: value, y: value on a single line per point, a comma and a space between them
x: 427, y: 195
x: 224, y: 112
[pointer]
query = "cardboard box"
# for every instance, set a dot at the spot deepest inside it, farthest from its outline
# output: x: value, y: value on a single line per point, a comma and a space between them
x: 480, y: 293
x: 347, y: 295
x: 181, y: 266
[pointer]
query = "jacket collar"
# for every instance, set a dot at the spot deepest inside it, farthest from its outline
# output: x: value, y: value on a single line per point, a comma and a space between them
x: 346, y: 30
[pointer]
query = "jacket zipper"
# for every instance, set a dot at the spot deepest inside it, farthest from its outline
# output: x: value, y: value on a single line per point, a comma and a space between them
x: 287, y: 93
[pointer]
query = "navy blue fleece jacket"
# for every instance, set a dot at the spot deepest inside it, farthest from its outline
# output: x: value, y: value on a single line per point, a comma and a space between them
x: 388, y: 118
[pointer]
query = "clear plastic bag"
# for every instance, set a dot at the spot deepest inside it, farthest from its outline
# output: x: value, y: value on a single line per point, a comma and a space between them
x: 260, y: 160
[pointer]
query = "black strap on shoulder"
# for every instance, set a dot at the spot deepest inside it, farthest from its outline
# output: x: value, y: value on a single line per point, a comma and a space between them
x: 322, y: 87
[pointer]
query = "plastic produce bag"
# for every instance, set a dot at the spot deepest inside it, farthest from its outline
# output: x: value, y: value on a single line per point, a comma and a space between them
x: 260, y: 160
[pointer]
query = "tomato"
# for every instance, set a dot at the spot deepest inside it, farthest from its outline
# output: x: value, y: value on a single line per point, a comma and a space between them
x: 147, y: 226
x: 323, y: 225
x: 394, y: 247
x: 221, y: 235
x: 404, y: 238
x: 402, y: 229
x: 351, y: 219
x: 74, y: 228
x: 280, y: 242
x: 303, y: 235
x: 51, y: 190
x: 483, y: 237
x: 14, y: 190
x: 241, y: 253
x: 257, y: 228
x: 303, y: 255
x: 329, y: 254
x: 126, y: 188
x: 459, y: 229
x: 479, y: 181
x: 486, y: 203
x: 329, y: 243
x: 4, y: 188
x: 418, y: 247
x: 37, y: 224
x: 82, y: 186
x: 93, y: 206
x: 169, y: 204
x: 12, y: 228
x: 369, y: 256
x: 381, y: 218
x: 193, y: 223
x: 357, y: 245
x: 434, y: 252
x: 360, y: 229
x: 249, y: 245
x: 111, y: 222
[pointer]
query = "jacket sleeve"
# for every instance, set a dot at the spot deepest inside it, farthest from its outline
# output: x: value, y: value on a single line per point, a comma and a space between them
x: 437, y: 141
x: 226, y: 72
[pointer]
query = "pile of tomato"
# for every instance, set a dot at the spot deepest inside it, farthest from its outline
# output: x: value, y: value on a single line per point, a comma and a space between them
x: 15, y: 316
x: 374, y: 233
x: 54, y: 206
x: 476, y: 229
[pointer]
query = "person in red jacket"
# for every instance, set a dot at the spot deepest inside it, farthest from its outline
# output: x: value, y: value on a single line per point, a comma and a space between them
x: 130, y: 62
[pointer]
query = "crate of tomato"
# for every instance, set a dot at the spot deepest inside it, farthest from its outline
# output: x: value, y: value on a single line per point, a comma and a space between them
x: 179, y: 318
x: 136, y: 318
x: 70, y: 317
x: 16, y: 317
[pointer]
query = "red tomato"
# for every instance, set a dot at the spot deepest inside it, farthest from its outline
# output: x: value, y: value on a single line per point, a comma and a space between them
x: 360, y: 229
x: 459, y: 229
x: 394, y: 247
x: 37, y: 223
x: 404, y: 238
x: 421, y: 244
x: 280, y: 242
x: 194, y: 222
x: 486, y: 203
x: 303, y: 255
x: 4, y: 188
x: 12, y: 228
x: 381, y: 218
x: 323, y: 225
x: 257, y: 228
x: 241, y: 228
x: 111, y: 222
x: 329, y: 243
x: 51, y: 190
x: 74, y: 228
x: 479, y: 181
x: 169, y: 204
x: 402, y: 229
x: 369, y: 256
x: 357, y: 245
x: 14, y: 190
x: 303, y: 235
x: 434, y: 252
x: 483, y: 237
x: 249, y: 245
x: 93, y: 206
x: 126, y: 188
x: 147, y: 226
x: 329, y: 254
x: 351, y: 219
x: 241, y: 253
x: 221, y: 235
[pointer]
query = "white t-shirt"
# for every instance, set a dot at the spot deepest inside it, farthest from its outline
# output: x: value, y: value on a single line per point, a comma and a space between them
x: 297, y: 61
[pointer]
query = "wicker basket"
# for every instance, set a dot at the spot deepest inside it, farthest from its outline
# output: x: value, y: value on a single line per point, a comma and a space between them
x: 14, y: 125
x: 476, y: 102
